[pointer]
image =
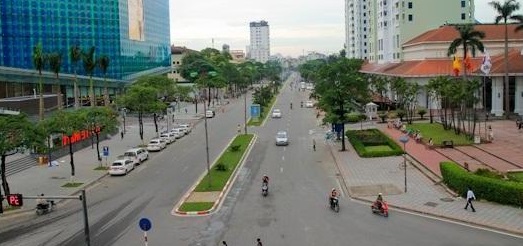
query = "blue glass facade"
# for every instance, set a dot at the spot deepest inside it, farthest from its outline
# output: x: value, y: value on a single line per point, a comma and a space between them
x: 133, y: 33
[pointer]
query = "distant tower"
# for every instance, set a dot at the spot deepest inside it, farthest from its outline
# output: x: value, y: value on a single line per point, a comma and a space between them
x: 260, y: 47
x: 226, y: 48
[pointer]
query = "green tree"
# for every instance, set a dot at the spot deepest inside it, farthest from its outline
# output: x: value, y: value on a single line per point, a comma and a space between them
x: 75, y: 54
x: 469, y: 39
x: 100, y: 120
x: 55, y: 62
x: 505, y: 12
x: 39, y: 61
x: 519, y: 21
x: 103, y: 64
x: 68, y: 123
x: 16, y: 135
x: 89, y: 62
x: 163, y: 85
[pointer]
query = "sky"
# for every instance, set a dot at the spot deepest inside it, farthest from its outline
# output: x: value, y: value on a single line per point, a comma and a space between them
x: 297, y: 27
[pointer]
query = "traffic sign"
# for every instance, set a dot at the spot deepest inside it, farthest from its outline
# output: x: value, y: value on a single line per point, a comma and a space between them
x: 145, y: 224
x: 15, y: 200
x: 106, y: 151
x: 255, y: 111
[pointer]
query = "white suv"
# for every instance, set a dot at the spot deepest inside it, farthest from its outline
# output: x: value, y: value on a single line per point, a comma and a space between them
x: 137, y: 155
x: 156, y: 144
x: 187, y: 128
x: 168, y: 137
x: 178, y: 132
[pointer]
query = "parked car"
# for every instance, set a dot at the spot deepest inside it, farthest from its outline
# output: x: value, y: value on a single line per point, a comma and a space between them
x: 209, y: 113
x: 168, y: 138
x: 156, y: 144
x: 187, y: 127
x: 276, y: 113
x: 282, y: 138
x: 309, y: 104
x: 178, y: 132
x: 121, y: 167
x: 137, y: 155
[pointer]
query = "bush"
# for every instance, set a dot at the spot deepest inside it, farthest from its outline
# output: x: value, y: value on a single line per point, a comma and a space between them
x: 400, y: 113
x: 383, y: 117
x: 372, y: 137
x: 488, y: 173
x: 235, y: 148
x: 422, y: 112
x: 354, y: 117
x: 491, y: 189
x: 221, y: 167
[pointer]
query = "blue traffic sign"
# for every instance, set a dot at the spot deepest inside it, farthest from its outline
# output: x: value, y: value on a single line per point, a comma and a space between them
x: 145, y: 224
x: 105, y: 151
x: 255, y: 110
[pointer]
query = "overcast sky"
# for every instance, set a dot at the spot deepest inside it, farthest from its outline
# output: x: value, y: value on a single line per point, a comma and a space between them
x: 296, y: 26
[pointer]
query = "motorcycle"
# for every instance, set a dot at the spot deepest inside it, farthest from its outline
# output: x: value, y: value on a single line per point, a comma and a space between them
x: 45, y: 208
x: 334, y: 204
x: 384, y: 210
x: 265, y: 189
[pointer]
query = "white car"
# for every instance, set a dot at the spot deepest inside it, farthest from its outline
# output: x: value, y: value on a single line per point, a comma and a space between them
x: 309, y: 104
x: 178, y: 132
x: 156, y: 144
x: 168, y: 138
x: 137, y: 155
x: 276, y: 113
x: 282, y: 138
x: 209, y: 113
x: 187, y: 127
x: 121, y: 167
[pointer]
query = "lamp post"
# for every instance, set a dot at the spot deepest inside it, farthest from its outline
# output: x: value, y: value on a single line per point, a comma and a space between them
x: 245, y: 112
x: 404, y: 139
x: 124, y: 111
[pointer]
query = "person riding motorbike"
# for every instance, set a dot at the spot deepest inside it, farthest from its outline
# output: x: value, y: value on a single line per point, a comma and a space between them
x: 379, y: 201
x: 265, y: 180
x: 301, y: 104
x: 291, y: 105
x: 333, y: 195
x: 41, y: 202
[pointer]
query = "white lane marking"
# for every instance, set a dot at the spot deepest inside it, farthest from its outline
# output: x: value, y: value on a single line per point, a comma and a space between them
x: 281, y: 169
x: 284, y: 148
x: 283, y: 158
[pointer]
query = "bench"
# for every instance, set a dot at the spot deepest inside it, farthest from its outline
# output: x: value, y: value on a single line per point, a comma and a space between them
x: 447, y: 144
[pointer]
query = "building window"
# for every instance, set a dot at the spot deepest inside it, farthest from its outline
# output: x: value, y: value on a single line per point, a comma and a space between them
x: 463, y: 16
x: 410, y: 5
x: 411, y: 17
x: 463, y: 4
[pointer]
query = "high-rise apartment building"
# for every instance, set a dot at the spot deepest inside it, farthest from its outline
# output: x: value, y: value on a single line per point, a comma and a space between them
x: 260, y: 46
x: 376, y: 29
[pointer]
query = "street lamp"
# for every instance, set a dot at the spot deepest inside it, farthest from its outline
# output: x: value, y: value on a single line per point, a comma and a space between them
x: 404, y: 139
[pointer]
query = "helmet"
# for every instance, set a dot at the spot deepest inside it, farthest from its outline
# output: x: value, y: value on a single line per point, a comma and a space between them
x: 379, y: 194
x: 333, y: 189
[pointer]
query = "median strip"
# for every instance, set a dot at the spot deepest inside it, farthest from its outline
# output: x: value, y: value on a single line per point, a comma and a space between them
x: 208, y: 192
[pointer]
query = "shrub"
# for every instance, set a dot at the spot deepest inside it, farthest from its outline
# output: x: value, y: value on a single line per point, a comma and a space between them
x: 422, y: 112
x: 354, y: 117
x: 372, y: 137
x: 488, y: 173
x: 383, y: 117
x: 400, y: 113
x: 235, y: 148
x: 491, y: 189
x: 221, y: 167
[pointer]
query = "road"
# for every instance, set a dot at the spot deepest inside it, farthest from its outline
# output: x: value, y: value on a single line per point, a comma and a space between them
x: 294, y: 213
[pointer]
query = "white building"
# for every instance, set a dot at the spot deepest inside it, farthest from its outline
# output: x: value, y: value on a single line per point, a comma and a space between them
x: 260, y: 46
x: 357, y: 28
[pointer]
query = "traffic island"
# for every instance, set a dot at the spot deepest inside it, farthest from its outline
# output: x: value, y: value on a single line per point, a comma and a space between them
x: 205, y: 196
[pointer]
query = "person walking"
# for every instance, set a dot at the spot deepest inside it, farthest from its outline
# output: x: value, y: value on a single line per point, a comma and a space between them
x: 121, y: 134
x: 224, y: 243
x: 258, y: 242
x: 470, y: 197
x: 490, y: 134
x: 314, y: 144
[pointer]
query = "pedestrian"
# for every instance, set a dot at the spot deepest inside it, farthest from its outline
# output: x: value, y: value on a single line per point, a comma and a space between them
x: 185, y: 110
x: 239, y: 129
x: 121, y: 134
x: 490, y: 134
x: 314, y: 144
x: 470, y: 197
x: 224, y: 243
x: 258, y: 242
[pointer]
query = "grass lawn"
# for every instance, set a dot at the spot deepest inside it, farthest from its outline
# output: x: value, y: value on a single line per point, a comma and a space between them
x: 230, y: 160
x: 196, y: 206
x: 516, y: 176
x: 101, y: 168
x: 438, y: 134
x: 72, y: 185
x: 264, y: 113
x: 378, y: 148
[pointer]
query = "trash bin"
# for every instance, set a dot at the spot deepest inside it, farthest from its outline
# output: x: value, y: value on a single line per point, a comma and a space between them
x: 477, y: 139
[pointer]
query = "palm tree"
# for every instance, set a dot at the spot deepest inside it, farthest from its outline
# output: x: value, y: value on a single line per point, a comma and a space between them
x: 103, y: 63
x: 89, y: 66
x: 470, y: 39
x: 75, y: 53
x: 55, y: 62
x: 519, y: 21
x: 39, y: 60
x: 505, y: 12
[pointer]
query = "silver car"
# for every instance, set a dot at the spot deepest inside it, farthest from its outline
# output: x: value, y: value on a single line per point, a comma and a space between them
x: 282, y: 138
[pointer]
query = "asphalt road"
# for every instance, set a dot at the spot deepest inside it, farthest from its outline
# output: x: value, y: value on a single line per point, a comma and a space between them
x: 294, y: 213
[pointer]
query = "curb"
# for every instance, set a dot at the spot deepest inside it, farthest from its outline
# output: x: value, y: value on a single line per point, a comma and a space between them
x: 226, y: 188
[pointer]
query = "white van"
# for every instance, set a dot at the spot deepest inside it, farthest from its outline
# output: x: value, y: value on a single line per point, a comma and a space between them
x: 137, y: 155
x: 209, y: 113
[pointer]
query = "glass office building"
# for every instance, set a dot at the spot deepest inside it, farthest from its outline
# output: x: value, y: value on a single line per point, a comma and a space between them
x: 134, y: 34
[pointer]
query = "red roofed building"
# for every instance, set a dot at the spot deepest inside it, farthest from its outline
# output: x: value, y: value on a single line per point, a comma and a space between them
x: 425, y: 57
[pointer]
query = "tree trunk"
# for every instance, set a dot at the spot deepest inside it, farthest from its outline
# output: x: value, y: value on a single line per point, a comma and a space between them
x: 506, y: 83
x: 140, y: 124
x: 41, y: 100
x: 156, y: 124
x: 208, y: 96
x: 91, y: 92
x: 342, y: 128
x: 5, y: 185
x: 106, y: 93
x: 71, y: 156
x: 98, y: 147
x: 58, y: 94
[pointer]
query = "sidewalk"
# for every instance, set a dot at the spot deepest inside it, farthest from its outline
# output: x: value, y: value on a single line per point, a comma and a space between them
x: 49, y: 180
x: 365, y: 177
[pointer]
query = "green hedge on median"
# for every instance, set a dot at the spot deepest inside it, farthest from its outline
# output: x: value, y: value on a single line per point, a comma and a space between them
x: 360, y: 139
x: 491, y: 189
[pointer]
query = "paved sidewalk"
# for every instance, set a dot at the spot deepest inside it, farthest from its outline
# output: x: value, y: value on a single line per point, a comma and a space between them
x: 49, y: 180
x: 364, y: 177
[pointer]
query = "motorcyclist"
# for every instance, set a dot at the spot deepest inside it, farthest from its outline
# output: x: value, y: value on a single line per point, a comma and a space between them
x: 379, y: 201
x: 301, y: 104
x: 333, y: 195
x: 291, y: 105
x: 265, y: 180
x: 41, y: 202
